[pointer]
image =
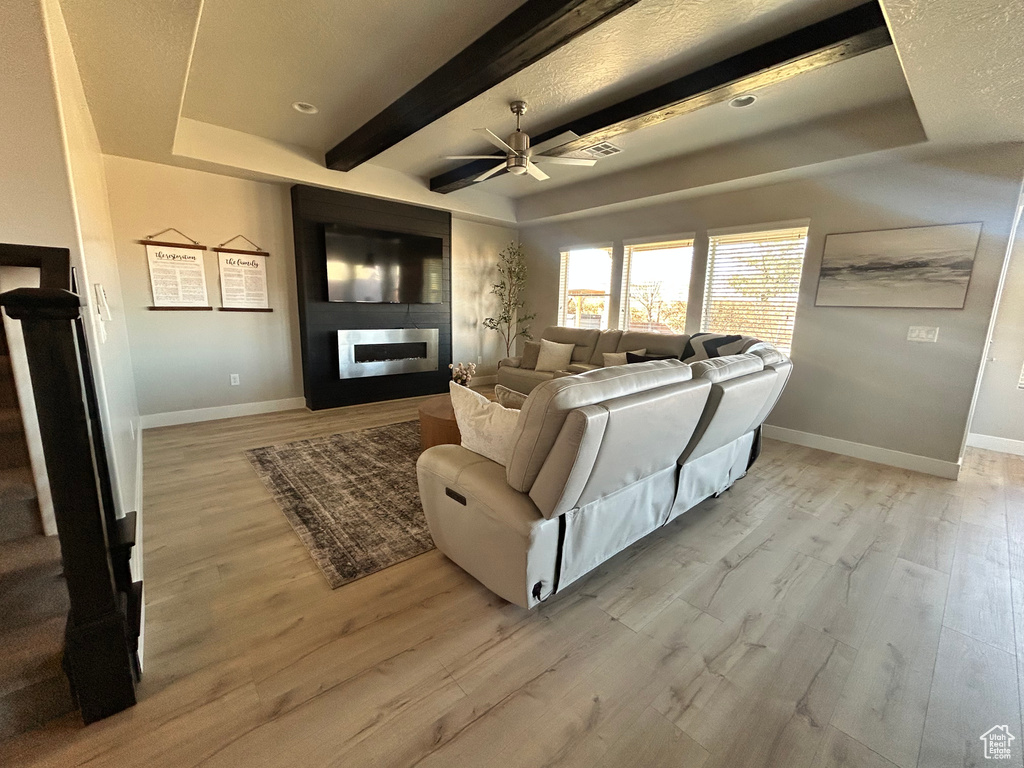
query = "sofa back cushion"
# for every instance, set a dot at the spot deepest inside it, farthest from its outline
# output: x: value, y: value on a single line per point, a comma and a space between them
x: 740, y: 387
x: 605, y: 447
x: 783, y: 367
x: 655, y: 343
x: 584, y: 339
x: 706, y: 346
x: 546, y: 409
x: 608, y: 341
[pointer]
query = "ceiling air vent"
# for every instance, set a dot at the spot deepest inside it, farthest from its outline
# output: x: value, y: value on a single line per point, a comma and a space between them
x: 604, y: 149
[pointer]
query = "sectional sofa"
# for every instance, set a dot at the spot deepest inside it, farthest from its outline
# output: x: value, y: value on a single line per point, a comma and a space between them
x: 597, y: 461
x: 591, y: 346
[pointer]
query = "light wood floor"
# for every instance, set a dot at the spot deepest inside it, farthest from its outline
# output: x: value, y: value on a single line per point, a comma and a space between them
x: 824, y: 612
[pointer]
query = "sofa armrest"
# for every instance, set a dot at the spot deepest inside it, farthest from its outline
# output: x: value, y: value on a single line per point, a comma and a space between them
x: 510, y: 362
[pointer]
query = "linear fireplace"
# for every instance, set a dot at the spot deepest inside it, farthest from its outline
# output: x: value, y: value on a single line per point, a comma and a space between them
x: 386, y: 351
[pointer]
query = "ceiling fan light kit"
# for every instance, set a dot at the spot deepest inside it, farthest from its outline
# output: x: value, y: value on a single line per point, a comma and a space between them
x: 520, y: 159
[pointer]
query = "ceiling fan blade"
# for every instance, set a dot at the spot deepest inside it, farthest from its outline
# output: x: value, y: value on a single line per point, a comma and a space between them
x: 495, y: 139
x: 564, y: 160
x: 536, y: 172
x: 471, y: 157
x: 487, y: 174
x: 557, y: 141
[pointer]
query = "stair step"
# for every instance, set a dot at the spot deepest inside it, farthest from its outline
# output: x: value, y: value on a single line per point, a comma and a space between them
x: 33, y: 611
x: 19, y: 507
x: 32, y: 586
x: 10, y: 420
x: 8, y: 394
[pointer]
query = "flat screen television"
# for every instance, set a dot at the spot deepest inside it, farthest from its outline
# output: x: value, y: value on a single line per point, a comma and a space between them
x: 377, y: 267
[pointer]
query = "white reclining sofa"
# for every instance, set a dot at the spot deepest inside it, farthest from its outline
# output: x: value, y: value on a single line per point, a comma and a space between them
x: 598, y: 460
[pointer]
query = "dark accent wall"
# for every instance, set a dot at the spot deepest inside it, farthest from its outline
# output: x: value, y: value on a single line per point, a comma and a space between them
x: 320, y: 320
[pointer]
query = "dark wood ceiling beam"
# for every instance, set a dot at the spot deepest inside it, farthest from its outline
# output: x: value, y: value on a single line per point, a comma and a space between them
x: 852, y: 33
x: 528, y: 34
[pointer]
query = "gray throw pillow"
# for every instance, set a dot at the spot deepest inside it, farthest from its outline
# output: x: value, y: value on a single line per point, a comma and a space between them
x: 531, y: 351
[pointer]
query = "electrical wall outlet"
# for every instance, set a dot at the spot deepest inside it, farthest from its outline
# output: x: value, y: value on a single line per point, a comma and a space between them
x: 479, y: 359
x: 923, y: 333
x: 234, y: 380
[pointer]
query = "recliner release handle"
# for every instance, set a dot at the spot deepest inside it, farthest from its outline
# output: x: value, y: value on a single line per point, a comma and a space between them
x: 457, y: 496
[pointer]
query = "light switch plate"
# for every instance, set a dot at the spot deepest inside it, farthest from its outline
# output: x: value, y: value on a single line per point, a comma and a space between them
x: 923, y: 333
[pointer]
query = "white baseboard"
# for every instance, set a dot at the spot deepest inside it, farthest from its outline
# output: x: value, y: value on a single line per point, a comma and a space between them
x: 1001, y: 444
x: 173, y: 418
x: 947, y: 469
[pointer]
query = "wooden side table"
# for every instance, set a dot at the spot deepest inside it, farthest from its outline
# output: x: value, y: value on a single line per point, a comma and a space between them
x: 437, y: 423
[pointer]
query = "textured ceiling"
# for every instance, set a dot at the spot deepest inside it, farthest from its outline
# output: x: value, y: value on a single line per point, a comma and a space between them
x: 253, y: 58
x: 250, y: 64
x: 964, y: 63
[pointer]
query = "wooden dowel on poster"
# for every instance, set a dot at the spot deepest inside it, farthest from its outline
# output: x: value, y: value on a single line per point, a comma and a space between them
x: 244, y: 309
x: 180, y: 309
x: 235, y: 250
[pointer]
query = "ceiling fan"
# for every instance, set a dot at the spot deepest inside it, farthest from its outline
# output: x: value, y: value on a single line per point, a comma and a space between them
x: 520, y: 158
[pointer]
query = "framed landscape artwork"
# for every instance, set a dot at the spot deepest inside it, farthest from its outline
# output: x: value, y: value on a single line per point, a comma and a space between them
x: 917, y: 267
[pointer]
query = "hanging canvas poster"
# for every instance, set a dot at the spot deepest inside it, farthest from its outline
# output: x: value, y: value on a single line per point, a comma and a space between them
x: 177, y: 275
x: 917, y: 267
x: 243, y: 280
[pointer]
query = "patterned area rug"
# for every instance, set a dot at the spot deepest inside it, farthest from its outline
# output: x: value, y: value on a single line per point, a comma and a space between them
x: 352, y: 498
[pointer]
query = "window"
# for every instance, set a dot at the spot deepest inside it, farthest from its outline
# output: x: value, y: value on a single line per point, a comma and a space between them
x: 753, y: 281
x: 585, y: 288
x: 656, y: 286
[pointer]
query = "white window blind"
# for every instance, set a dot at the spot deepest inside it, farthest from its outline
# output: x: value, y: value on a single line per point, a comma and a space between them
x: 584, y: 288
x: 753, y: 281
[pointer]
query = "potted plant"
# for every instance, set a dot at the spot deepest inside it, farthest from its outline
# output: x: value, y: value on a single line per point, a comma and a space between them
x: 511, y: 321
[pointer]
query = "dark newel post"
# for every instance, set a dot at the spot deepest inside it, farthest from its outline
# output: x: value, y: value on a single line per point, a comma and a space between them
x: 98, y: 658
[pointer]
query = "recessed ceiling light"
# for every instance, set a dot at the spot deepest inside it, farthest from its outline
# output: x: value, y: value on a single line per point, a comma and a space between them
x: 305, y: 107
x: 743, y: 101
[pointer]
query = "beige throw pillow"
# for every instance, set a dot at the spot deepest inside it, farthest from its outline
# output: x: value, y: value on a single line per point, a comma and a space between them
x: 531, y: 350
x: 619, y: 358
x: 554, y: 356
x: 486, y: 427
x: 509, y: 397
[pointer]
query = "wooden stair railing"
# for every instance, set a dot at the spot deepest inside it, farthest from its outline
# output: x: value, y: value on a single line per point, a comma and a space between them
x: 101, y: 638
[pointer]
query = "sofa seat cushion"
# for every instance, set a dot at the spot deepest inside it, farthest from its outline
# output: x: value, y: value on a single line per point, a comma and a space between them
x: 523, y: 379
x: 581, y: 367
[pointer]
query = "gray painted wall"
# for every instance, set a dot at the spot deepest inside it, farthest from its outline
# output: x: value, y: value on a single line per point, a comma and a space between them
x: 184, y: 360
x: 475, y: 249
x: 856, y: 377
x: 53, y: 194
x: 1000, y: 408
